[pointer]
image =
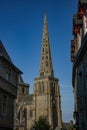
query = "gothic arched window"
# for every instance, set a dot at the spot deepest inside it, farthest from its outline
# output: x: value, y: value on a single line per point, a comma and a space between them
x: 42, y: 87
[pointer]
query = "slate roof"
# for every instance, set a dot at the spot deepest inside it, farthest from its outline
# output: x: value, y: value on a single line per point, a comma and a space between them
x: 4, y: 53
x: 6, y: 57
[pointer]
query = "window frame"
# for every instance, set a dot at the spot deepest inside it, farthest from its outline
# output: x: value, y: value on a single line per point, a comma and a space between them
x: 4, y: 105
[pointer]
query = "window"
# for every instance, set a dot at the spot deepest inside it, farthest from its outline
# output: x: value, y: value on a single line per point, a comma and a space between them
x: 80, y: 79
x: 19, y: 115
x: 4, y: 104
x: 46, y: 63
x: 43, y: 49
x: 46, y: 33
x: 53, y: 90
x: 31, y: 113
x: 8, y: 73
x: 14, y: 78
x: 46, y: 57
x: 42, y: 74
x: 80, y: 73
x: 23, y: 89
x: 24, y: 113
x: 46, y: 52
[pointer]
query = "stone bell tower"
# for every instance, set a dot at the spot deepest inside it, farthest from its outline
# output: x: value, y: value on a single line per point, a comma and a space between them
x: 46, y: 87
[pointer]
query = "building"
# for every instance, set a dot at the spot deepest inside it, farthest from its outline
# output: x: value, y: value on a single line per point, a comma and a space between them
x: 20, y: 111
x: 80, y: 86
x: 8, y: 89
x: 46, y: 99
x: 79, y: 71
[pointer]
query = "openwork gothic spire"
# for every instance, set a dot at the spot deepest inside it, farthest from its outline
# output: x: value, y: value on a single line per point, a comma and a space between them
x: 46, y: 68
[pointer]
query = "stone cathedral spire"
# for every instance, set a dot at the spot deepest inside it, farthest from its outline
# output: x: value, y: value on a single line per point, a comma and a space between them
x: 47, y: 97
x: 46, y: 68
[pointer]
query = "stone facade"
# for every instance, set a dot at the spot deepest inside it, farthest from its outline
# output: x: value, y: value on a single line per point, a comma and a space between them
x: 8, y: 89
x: 46, y: 99
x: 20, y: 110
x: 46, y: 93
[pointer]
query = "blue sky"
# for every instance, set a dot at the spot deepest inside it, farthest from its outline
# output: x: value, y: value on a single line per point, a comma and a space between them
x: 21, y: 27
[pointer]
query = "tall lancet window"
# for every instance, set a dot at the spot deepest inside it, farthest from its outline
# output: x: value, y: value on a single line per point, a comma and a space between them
x: 42, y: 87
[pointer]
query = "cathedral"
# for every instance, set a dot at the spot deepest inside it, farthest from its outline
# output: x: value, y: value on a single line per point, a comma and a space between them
x: 46, y: 99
